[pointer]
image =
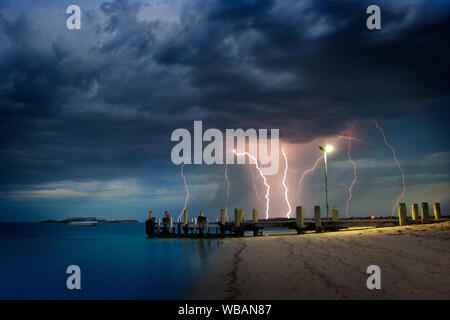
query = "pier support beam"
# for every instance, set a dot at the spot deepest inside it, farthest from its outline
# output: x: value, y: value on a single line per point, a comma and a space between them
x: 334, y: 214
x: 437, y: 211
x: 237, y: 219
x: 223, y: 216
x: 425, y: 212
x: 402, y: 214
x: 299, y: 214
x: 415, y: 212
x: 255, y: 215
x: 318, y: 219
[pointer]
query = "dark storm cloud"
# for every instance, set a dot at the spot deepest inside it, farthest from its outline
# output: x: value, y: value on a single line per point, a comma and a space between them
x: 307, y: 67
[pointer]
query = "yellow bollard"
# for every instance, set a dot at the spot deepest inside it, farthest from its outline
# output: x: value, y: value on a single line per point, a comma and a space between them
x: 402, y: 214
x: 415, y: 212
x: 425, y: 212
x: 255, y: 215
x: 334, y: 214
x: 437, y: 210
x: 223, y: 216
x: 318, y: 219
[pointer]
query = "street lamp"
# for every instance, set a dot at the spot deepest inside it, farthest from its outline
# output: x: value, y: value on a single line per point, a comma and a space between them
x: 326, y: 149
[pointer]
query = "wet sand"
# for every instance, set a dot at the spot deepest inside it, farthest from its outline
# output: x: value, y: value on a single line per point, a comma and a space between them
x: 414, y: 263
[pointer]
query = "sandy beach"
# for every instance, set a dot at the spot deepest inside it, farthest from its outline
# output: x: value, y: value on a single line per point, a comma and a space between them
x: 414, y: 263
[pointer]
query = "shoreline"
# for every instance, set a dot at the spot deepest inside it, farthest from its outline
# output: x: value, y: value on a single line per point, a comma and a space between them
x: 414, y: 262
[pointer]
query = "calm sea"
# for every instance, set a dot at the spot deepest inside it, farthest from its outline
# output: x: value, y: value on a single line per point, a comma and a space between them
x: 117, y: 261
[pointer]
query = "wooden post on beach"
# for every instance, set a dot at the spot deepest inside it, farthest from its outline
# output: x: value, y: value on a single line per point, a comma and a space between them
x: 223, y: 216
x: 437, y: 210
x: 402, y: 214
x: 425, y: 212
x: 318, y: 219
x: 237, y: 220
x: 255, y: 215
x: 334, y: 214
x: 299, y: 214
x: 255, y: 219
x: 241, y: 218
x: 415, y: 212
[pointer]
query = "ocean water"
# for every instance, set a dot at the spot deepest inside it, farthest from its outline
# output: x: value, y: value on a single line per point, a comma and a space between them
x: 117, y: 261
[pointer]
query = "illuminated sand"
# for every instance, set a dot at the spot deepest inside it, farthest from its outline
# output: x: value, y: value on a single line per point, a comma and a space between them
x: 414, y: 262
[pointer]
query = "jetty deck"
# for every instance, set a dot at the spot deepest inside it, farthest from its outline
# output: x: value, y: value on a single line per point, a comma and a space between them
x: 200, y: 227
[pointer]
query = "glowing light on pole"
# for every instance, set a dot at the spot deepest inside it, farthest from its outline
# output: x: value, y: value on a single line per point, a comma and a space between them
x: 262, y: 176
x: 326, y: 149
x: 398, y: 165
x: 187, y: 192
x: 284, y: 183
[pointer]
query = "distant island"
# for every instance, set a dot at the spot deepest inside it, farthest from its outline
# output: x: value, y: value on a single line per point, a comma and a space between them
x: 89, y: 219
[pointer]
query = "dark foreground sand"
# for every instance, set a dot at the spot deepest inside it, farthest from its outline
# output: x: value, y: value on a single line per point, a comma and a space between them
x: 414, y: 262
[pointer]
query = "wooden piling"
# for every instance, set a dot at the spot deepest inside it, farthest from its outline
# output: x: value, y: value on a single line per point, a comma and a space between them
x: 318, y: 219
x: 185, y: 217
x: 425, y: 212
x: 402, y: 214
x: 415, y: 212
x: 437, y: 210
x: 334, y: 214
x: 255, y: 215
x: 237, y: 219
x: 299, y: 213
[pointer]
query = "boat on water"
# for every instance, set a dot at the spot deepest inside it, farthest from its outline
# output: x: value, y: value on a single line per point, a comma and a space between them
x: 83, y: 222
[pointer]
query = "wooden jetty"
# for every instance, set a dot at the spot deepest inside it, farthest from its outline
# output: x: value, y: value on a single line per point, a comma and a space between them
x: 201, y: 227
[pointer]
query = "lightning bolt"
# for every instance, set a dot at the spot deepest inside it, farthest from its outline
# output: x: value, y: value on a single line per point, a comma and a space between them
x: 354, y: 176
x: 228, y: 187
x: 256, y: 189
x: 262, y: 176
x: 398, y: 165
x: 284, y: 183
x: 187, y: 192
x: 307, y: 172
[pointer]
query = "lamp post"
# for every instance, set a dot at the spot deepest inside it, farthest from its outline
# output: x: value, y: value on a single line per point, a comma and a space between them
x: 326, y: 149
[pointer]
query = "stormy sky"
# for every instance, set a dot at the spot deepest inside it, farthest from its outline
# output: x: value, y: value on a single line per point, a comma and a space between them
x: 86, y: 115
